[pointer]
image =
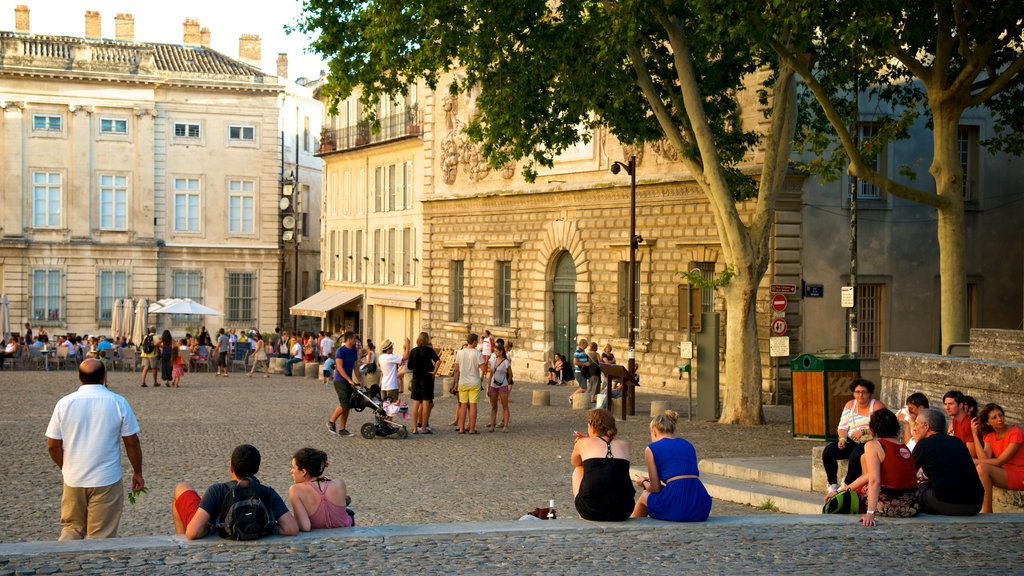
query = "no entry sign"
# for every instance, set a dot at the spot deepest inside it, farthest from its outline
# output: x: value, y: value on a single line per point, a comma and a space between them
x: 779, y: 303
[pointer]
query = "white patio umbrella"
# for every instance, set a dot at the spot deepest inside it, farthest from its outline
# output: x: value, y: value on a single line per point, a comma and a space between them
x: 115, y: 319
x: 159, y: 304
x: 187, y: 306
x: 139, y: 326
x: 5, y: 317
x: 127, y: 316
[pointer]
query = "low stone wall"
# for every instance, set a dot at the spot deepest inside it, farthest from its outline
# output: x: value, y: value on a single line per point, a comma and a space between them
x: 999, y: 345
x: 904, y: 373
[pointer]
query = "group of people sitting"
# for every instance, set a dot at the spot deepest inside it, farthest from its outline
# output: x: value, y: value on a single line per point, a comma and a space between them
x: 316, y: 501
x: 602, y: 486
x: 585, y: 371
x: 910, y: 461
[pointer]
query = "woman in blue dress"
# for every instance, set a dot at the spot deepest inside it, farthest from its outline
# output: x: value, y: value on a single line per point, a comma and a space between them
x: 677, y: 494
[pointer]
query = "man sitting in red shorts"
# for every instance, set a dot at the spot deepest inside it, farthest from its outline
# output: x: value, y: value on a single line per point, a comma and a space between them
x: 193, y: 516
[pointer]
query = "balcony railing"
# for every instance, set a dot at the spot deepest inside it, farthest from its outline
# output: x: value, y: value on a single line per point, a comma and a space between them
x: 392, y: 127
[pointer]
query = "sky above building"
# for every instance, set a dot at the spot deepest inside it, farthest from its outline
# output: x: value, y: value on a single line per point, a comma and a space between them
x: 162, y: 22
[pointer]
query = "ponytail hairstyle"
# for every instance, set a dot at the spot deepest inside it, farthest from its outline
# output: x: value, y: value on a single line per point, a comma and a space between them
x: 313, y: 461
x: 665, y: 423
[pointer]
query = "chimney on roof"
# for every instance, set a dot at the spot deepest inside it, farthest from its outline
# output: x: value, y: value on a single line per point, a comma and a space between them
x: 21, y: 18
x: 249, y: 49
x: 92, y: 24
x: 124, y: 27
x: 282, y: 65
x: 204, y: 37
x: 191, y: 32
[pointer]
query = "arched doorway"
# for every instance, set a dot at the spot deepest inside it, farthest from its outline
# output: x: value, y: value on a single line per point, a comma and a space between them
x: 563, y: 288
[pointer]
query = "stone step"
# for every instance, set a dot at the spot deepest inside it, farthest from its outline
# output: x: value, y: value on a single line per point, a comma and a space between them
x: 785, y: 500
x: 786, y: 472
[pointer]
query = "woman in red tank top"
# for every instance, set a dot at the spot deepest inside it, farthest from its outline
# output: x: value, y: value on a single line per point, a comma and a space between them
x: 888, y: 486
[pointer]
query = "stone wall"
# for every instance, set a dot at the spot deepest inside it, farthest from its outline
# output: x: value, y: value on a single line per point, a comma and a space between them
x: 1001, y: 345
x: 904, y: 373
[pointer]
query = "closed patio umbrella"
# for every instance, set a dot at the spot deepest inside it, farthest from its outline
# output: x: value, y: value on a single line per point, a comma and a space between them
x: 5, y: 317
x: 127, y: 317
x: 139, y: 326
x: 115, y: 318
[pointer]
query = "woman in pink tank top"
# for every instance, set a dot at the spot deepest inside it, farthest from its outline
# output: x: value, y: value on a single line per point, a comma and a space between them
x: 317, y: 501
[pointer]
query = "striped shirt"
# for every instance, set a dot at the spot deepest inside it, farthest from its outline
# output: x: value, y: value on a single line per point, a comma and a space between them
x: 852, y: 421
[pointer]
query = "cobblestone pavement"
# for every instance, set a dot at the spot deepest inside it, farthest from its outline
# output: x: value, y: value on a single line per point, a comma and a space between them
x: 188, y: 434
x: 803, y: 546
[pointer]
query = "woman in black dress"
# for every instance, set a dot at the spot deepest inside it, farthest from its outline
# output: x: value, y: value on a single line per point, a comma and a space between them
x: 600, y: 479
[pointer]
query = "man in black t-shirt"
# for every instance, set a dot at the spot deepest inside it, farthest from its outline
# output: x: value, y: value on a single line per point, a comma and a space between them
x: 194, y: 517
x: 422, y: 362
x: 952, y: 487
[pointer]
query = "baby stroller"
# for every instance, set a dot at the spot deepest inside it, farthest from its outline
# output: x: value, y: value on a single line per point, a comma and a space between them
x: 383, y: 424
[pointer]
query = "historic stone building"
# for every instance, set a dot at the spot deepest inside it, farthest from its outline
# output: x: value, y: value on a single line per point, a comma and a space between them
x: 372, y: 220
x: 133, y: 169
x: 302, y: 170
x: 543, y: 263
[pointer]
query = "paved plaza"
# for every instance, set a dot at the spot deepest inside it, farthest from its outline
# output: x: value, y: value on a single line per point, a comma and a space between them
x: 433, y: 504
x: 188, y: 434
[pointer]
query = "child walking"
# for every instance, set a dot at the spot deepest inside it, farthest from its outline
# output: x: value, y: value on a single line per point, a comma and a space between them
x: 177, y: 364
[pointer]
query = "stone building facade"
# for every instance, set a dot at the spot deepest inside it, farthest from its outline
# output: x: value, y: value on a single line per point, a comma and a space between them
x: 542, y: 264
x: 134, y: 169
x: 372, y: 220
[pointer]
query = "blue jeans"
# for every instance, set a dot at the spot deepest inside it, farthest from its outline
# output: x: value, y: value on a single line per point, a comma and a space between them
x: 288, y: 365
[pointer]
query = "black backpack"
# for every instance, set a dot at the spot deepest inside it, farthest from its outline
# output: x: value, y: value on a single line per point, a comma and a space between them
x: 244, y: 516
x: 147, y: 344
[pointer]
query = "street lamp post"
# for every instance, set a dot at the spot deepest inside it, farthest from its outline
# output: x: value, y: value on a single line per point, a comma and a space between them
x: 634, y: 241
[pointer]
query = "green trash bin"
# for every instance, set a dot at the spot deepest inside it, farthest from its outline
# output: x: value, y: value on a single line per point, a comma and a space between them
x: 821, y: 388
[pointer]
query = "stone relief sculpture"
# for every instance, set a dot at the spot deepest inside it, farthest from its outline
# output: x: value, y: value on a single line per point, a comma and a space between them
x: 456, y: 147
x: 665, y: 149
x: 630, y: 151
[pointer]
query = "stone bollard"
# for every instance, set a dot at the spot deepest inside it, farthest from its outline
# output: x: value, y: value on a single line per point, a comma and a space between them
x: 615, y: 406
x: 312, y: 370
x: 542, y: 398
x: 659, y: 407
x: 580, y: 402
x: 277, y: 365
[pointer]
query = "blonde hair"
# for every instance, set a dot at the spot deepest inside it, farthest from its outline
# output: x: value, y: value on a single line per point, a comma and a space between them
x: 603, y: 422
x: 665, y: 422
x: 423, y: 339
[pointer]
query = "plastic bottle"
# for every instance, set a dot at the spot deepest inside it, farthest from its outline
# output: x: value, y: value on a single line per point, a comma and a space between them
x: 551, y: 510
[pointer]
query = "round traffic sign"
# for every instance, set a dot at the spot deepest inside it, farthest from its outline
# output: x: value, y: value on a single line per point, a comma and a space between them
x: 779, y: 303
x: 779, y: 326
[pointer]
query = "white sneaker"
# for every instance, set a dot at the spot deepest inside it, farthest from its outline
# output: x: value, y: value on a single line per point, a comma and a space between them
x: 833, y: 489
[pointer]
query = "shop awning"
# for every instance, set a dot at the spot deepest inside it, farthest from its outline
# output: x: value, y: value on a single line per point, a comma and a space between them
x: 319, y: 304
x: 395, y: 300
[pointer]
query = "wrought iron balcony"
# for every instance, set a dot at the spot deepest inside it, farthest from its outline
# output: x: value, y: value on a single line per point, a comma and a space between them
x: 392, y: 127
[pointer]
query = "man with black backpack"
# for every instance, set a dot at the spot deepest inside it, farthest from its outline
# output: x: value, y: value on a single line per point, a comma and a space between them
x: 242, y: 509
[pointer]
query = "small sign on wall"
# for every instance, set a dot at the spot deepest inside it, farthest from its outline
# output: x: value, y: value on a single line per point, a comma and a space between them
x: 814, y: 290
x: 846, y: 296
x: 778, y: 346
x: 686, y: 350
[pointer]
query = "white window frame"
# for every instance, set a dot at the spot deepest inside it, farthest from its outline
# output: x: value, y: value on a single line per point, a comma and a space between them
x: 237, y: 193
x: 113, y: 190
x: 241, y: 132
x: 187, y: 126
x: 48, y: 121
x: 49, y: 196
x: 113, y: 124
x: 187, y: 192
x: 111, y: 285
x: 240, y: 302
x: 53, y: 288
x: 866, y: 191
x: 967, y: 138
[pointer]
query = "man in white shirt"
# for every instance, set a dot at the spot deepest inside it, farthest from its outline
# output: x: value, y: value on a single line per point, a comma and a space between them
x: 326, y: 347
x: 83, y: 439
x: 469, y: 369
x: 390, y: 387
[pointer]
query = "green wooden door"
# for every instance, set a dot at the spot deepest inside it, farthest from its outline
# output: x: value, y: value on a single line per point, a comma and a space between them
x: 563, y: 286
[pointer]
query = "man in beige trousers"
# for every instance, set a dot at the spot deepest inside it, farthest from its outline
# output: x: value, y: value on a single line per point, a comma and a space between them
x: 83, y: 439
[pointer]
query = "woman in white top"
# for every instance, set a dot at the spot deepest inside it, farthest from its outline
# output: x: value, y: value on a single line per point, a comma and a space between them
x: 853, y: 433
x: 500, y: 386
